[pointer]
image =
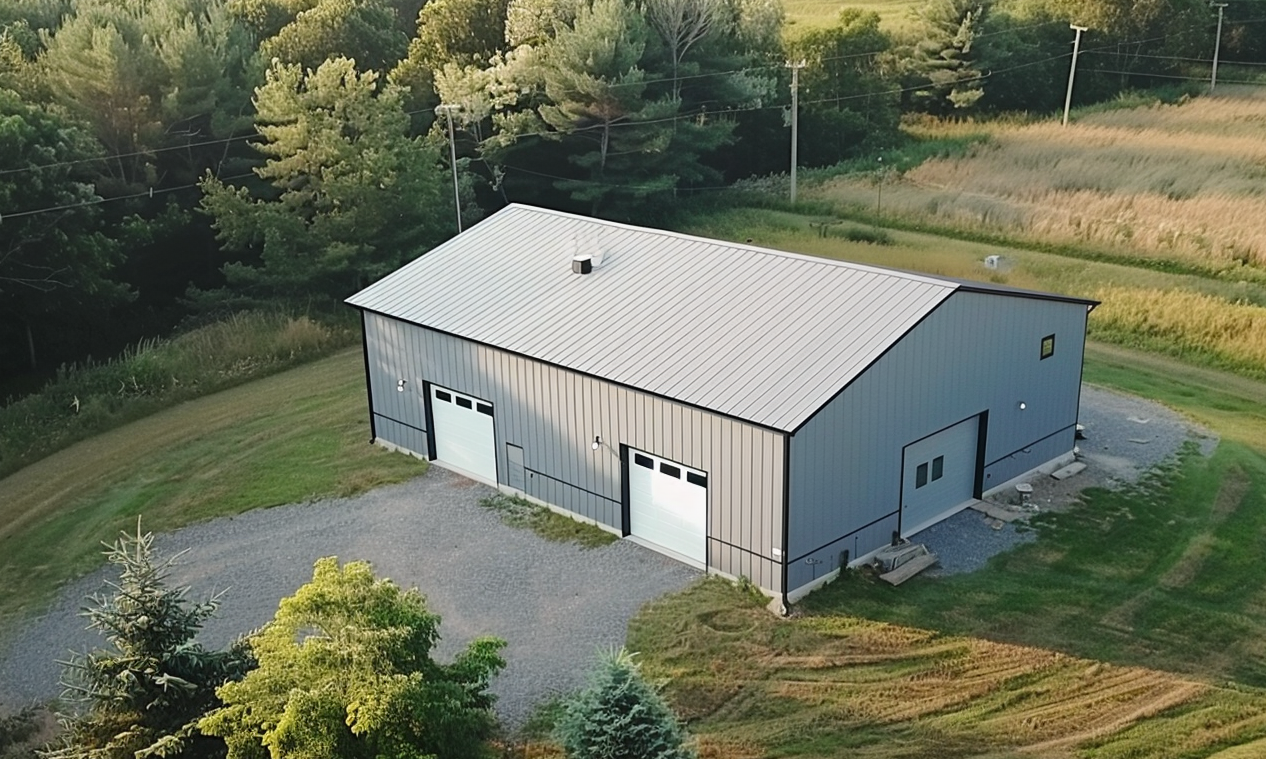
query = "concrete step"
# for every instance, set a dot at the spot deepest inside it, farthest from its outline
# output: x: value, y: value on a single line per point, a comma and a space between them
x: 909, y: 569
x: 1068, y: 471
x: 1004, y: 513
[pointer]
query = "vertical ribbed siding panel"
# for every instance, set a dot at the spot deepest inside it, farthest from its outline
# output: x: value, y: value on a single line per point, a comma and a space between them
x: 977, y: 352
x: 553, y: 415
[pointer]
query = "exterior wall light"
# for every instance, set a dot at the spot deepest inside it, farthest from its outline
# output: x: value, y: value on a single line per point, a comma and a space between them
x: 1023, y: 405
x: 597, y: 441
x: 400, y: 385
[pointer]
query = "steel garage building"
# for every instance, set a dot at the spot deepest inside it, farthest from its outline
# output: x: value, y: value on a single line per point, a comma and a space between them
x: 750, y: 411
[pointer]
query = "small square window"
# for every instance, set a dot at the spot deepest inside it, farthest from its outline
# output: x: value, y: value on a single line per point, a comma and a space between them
x: 643, y: 461
x: 1048, y: 346
x: 443, y: 396
x: 696, y: 479
x: 921, y: 475
x: 938, y: 468
x: 464, y: 402
x: 483, y: 408
x: 669, y: 470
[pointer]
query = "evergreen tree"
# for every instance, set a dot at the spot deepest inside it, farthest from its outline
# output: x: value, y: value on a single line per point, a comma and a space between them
x: 345, y: 672
x: 143, y: 696
x: 945, y: 56
x: 58, y: 264
x: 353, y: 196
x: 620, y: 716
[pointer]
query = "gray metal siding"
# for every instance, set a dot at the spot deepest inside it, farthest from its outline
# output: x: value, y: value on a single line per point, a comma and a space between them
x: 553, y: 414
x: 977, y: 352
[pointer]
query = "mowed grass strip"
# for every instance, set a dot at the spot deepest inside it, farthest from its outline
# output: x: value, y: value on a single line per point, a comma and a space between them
x: 825, y: 686
x: 296, y: 436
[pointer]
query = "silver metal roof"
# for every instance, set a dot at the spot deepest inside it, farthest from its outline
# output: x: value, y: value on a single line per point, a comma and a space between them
x: 757, y: 334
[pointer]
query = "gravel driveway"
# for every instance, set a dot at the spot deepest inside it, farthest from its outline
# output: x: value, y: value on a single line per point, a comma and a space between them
x: 555, y: 604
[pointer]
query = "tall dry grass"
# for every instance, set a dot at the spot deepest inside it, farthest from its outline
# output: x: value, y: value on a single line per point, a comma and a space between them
x: 1183, y: 182
x: 1188, y: 325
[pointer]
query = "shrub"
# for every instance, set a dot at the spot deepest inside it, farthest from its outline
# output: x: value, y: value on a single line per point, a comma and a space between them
x: 620, y: 716
x: 345, y: 672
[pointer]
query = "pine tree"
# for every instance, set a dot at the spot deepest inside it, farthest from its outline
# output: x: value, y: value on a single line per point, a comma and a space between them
x: 143, y: 696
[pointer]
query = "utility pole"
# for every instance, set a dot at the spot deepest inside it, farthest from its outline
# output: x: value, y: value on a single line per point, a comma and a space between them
x: 1072, y: 71
x: 795, y: 118
x: 1217, y: 46
x: 447, y: 110
x: 879, y: 199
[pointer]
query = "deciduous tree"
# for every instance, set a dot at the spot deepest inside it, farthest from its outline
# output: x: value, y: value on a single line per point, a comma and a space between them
x: 345, y: 671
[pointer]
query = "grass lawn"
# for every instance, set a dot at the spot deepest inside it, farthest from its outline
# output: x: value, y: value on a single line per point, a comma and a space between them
x: 292, y: 437
x: 1165, y: 574
x: 831, y: 685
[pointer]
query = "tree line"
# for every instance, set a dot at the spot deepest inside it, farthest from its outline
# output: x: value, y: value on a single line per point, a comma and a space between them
x: 164, y: 160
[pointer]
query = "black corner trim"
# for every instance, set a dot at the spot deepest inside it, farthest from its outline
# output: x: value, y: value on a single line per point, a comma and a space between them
x: 982, y: 441
x: 786, y: 514
x: 430, y: 419
x: 369, y: 385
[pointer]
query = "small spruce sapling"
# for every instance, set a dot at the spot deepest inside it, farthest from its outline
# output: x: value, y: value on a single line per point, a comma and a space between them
x: 621, y: 716
x: 144, y: 695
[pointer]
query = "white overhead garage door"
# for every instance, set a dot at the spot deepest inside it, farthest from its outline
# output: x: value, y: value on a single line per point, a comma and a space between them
x: 463, y: 433
x: 668, y: 505
x: 938, y: 474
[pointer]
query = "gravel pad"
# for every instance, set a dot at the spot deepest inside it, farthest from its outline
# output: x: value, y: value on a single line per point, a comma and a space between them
x: 1125, y: 437
x: 555, y: 604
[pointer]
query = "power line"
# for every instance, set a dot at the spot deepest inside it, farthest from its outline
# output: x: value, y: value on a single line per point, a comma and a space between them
x: 71, y: 206
x: 134, y: 154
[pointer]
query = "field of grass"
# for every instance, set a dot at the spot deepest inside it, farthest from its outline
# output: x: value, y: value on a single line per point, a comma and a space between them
x: 90, y: 398
x: 1171, y: 183
x: 1165, y: 574
x: 803, y: 15
x: 287, y: 438
x: 830, y: 685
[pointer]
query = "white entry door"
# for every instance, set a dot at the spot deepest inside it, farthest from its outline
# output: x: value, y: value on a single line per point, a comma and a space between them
x: 464, y: 436
x: 668, y: 505
x: 938, y: 474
